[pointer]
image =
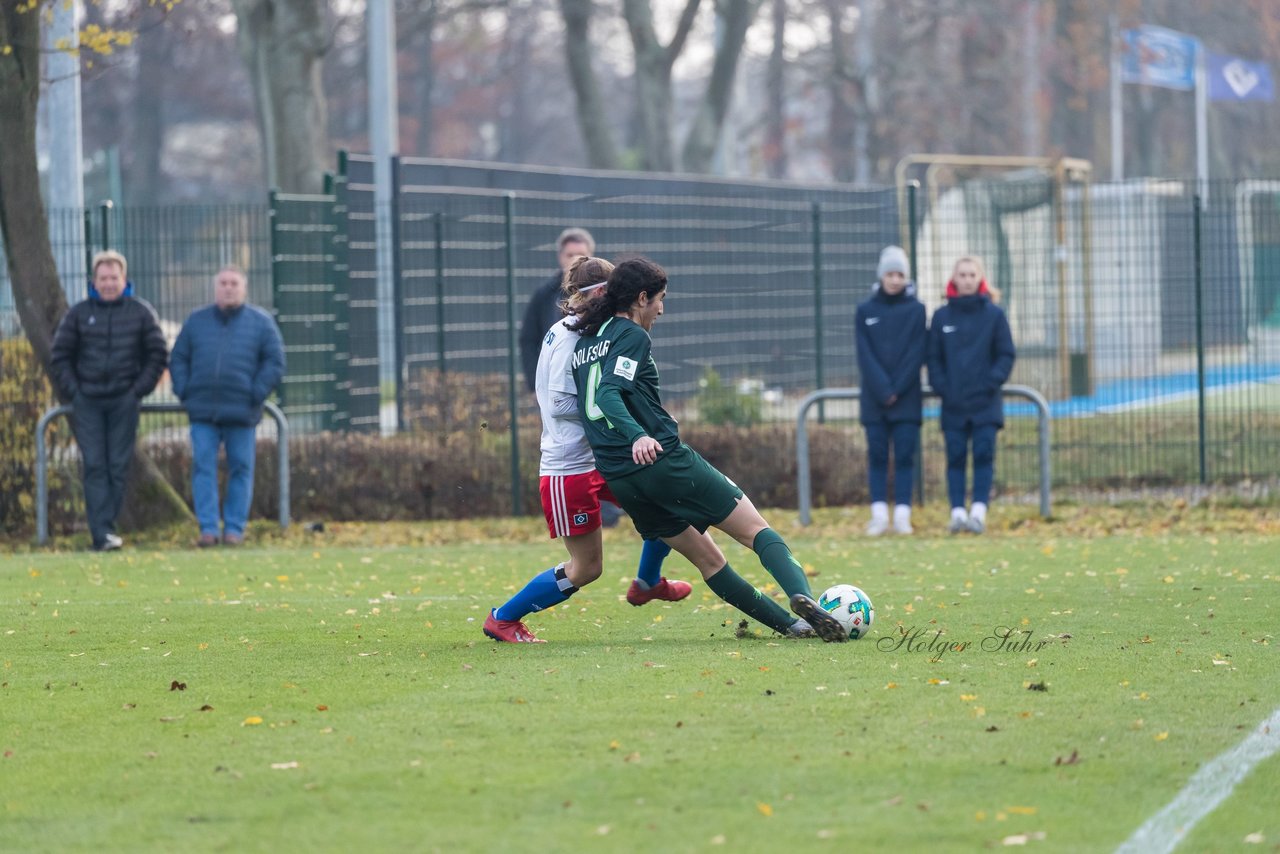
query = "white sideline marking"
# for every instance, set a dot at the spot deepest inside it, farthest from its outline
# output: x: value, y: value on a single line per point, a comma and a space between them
x: 1207, y: 788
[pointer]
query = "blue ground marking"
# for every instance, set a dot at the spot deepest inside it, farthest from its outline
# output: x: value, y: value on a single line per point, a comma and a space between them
x: 1119, y: 395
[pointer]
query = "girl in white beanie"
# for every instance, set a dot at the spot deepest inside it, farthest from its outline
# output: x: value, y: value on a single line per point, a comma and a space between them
x: 892, y: 340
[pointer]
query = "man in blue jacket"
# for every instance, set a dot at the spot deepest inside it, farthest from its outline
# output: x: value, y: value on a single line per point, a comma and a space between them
x: 228, y: 358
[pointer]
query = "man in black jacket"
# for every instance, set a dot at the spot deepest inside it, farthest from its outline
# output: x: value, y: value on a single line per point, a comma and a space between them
x: 544, y: 306
x: 543, y: 310
x: 108, y: 354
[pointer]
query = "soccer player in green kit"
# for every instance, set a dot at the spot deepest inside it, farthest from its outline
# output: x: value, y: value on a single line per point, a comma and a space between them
x: 668, y: 489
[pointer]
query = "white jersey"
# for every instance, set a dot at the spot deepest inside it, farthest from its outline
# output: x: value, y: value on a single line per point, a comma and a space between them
x: 564, y: 443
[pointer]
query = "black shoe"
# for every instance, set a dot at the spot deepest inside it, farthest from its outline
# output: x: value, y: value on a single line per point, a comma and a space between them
x: 827, y: 626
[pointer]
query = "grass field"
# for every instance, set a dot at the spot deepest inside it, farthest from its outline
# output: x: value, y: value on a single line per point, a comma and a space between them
x: 338, y: 694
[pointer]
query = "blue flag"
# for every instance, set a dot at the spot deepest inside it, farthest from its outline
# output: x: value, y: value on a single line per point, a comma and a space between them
x: 1155, y: 56
x: 1234, y: 79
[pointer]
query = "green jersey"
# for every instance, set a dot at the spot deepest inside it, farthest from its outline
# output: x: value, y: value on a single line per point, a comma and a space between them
x: 618, y: 398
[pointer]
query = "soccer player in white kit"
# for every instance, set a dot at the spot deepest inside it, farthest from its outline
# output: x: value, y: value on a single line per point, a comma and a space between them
x: 569, y: 484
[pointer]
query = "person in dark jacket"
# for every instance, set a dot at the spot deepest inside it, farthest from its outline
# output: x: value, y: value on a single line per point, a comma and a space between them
x: 892, y: 338
x: 542, y: 312
x: 108, y: 353
x: 544, y: 307
x: 971, y: 355
x: 228, y: 358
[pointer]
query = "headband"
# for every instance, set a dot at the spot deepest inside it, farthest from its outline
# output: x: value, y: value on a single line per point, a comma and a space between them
x: 589, y: 288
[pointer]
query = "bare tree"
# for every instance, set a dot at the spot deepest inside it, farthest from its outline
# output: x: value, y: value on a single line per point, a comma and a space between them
x: 24, y: 221
x: 654, y: 60
x: 602, y: 153
x: 283, y: 43
x: 734, y: 18
x: 775, y: 134
x: 24, y: 225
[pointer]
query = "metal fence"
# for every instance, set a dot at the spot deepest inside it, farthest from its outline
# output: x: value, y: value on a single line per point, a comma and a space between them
x: 1149, y: 316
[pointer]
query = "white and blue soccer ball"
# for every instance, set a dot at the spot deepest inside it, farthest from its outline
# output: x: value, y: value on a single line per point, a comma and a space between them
x: 851, y: 607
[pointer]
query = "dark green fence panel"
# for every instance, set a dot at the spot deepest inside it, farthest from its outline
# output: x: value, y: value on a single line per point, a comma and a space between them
x: 307, y: 310
x: 354, y: 190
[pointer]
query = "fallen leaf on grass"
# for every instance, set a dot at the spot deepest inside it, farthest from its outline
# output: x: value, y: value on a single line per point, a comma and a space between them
x: 1255, y: 838
x: 765, y: 809
x: 252, y: 720
x: 206, y: 708
x: 1023, y: 810
x: 1073, y: 759
x: 283, y: 766
x: 1161, y: 736
x: 175, y: 685
x: 1023, y: 838
x: 1037, y: 686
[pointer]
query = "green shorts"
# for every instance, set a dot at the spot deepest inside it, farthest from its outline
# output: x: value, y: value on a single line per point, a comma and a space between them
x: 679, y: 490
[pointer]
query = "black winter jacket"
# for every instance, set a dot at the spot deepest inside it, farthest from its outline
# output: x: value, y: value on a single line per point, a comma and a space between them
x: 892, y: 338
x: 542, y: 311
x: 971, y: 355
x: 106, y: 349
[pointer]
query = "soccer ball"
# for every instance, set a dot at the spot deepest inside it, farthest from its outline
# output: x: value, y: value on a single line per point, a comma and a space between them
x: 851, y: 607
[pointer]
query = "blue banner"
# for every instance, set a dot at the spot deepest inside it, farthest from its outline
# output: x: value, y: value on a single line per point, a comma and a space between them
x: 1155, y: 56
x: 1234, y: 79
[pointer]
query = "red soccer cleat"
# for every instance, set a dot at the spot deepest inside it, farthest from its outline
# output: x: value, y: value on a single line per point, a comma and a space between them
x: 509, y: 631
x: 667, y: 591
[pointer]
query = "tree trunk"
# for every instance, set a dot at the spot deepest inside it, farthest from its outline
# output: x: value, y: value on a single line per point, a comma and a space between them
x: 24, y: 222
x: 593, y: 115
x: 146, y: 177
x: 654, y: 102
x: 282, y: 43
x: 25, y: 227
x: 840, y: 124
x: 775, y: 132
x: 735, y: 17
x: 426, y: 79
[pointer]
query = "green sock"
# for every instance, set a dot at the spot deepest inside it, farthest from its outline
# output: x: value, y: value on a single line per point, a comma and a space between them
x: 735, y: 590
x: 782, y: 565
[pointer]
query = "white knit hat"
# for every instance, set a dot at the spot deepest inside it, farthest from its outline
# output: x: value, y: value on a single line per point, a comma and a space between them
x: 893, y: 260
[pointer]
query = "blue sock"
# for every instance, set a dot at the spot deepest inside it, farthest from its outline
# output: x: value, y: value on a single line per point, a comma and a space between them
x: 547, y: 588
x: 649, y: 572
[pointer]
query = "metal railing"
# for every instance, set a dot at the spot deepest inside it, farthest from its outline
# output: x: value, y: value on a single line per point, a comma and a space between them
x: 802, y: 439
x: 42, y: 460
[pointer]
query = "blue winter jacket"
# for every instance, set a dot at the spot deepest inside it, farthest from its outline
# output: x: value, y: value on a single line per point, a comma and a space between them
x: 225, y: 363
x: 892, y: 338
x: 971, y: 355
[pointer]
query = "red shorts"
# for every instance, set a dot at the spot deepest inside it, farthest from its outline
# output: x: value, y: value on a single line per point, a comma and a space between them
x: 571, y: 502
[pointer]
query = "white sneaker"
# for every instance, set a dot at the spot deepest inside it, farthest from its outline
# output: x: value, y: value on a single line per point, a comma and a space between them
x: 111, y: 543
x: 959, y: 521
x: 902, y: 519
x: 879, y: 519
x: 978, y: 518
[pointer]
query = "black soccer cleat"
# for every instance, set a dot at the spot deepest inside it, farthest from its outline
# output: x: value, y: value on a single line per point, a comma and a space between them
x: 828, y: 627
